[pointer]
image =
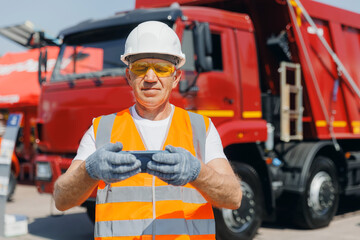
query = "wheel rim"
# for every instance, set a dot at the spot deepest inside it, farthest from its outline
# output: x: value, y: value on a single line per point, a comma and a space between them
x: 322, y: 193
x: 240, y: 219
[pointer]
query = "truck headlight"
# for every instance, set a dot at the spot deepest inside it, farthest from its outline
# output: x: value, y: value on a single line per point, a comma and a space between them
x: 43, y: 171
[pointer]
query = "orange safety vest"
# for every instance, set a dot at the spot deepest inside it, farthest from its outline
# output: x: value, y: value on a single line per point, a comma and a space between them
x: 143, y: 206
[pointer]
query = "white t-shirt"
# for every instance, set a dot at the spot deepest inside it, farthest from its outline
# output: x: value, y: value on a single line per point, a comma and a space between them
x: 154, y: 135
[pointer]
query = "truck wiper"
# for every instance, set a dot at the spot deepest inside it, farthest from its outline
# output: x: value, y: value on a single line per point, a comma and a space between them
x: 112, y: 72
x: 96, y: 75
x: 108, y: 73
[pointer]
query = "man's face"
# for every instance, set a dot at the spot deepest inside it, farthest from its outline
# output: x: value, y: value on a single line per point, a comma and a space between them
x: 152, y: 88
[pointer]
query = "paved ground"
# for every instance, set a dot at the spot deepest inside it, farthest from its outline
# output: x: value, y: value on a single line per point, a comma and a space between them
x: 45, y: 222
x: 341, y: 228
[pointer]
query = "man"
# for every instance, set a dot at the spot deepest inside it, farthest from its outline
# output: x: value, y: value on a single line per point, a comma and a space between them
x: 174, y: 198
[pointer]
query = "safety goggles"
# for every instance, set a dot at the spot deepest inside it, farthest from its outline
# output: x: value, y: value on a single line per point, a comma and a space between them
x: 161, y: 69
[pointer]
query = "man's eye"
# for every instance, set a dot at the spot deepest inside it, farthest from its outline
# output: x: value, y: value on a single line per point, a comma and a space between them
x: 163, y: 68
x: 160, y: 69
x: 140, y: 68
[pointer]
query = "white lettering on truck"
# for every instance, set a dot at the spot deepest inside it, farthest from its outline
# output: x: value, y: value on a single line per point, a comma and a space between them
x: 9, y: 98
x: 28, y: 66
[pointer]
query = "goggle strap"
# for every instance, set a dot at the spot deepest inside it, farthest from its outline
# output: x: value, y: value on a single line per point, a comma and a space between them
x: 170, y: 58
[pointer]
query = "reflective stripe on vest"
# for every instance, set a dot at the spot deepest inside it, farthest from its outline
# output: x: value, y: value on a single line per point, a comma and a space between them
x: 103, y: 132
x: 144, y: 194
x: 199, y: 130
x: 143, y: 206
x: 162, y: 227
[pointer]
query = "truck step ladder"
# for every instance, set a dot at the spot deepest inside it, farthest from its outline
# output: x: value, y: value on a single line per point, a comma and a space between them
x: 291, y: 103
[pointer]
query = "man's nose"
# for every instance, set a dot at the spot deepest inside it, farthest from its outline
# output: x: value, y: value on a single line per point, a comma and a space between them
x: 150, y: 76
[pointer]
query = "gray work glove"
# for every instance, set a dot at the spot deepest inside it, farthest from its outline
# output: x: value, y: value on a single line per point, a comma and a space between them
x: 177, y: 167
x: 109, y: 164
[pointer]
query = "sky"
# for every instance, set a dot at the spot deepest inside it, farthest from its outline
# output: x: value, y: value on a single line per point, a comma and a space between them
x: 54, y: 16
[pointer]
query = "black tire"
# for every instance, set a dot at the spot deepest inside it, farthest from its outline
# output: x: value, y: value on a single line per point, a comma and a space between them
x: 318, y: 205
x: 90, y: 211
x: 11, y: 187
x: 244, y: 222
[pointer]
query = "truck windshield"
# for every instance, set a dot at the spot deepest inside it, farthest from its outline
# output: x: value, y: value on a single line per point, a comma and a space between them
x: 96, y: 58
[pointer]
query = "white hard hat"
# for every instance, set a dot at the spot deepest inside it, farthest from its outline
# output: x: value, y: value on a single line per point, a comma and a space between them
x: 153, y: 39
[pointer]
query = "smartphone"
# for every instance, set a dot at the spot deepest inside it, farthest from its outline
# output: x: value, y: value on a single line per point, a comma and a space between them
x: 144, y: 157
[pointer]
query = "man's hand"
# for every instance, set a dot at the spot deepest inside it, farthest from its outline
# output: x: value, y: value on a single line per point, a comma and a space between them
x: 107, y: 164
x: 177, y: 167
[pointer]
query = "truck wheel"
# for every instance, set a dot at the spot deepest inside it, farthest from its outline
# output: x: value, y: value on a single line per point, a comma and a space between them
x: 243, y: 222
x: 317, y: 207
x: 90, y: 211
x: 11, y: 187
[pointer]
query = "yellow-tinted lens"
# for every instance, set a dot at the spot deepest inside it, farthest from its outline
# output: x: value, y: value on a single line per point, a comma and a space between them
x: 139, y: 68
x: 161, y: 69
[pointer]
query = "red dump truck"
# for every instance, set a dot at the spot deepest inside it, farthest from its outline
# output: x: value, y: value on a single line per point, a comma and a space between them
x: 279, y: 79
x: 19, y: 93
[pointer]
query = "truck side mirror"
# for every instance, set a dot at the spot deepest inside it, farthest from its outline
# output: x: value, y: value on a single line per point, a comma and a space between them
x: 42, y: 66
x: 203, y: 47
x: 36, y: 40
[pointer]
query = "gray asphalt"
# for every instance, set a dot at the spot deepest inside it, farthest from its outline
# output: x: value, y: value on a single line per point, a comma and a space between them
x: 45, y: 222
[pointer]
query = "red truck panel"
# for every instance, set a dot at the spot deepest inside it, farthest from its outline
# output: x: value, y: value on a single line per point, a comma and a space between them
x: 249, y: 75
x: 348, y: 49
x: 19, y: 77
x: 320, y: 71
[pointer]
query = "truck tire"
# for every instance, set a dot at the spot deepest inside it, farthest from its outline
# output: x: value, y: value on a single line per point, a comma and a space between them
x: 242, y: 223
x: 90, y: 211
x: 318, y: 205
x: 11, y: 187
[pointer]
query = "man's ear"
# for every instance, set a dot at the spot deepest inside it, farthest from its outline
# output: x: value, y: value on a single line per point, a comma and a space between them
x: 177, y: 77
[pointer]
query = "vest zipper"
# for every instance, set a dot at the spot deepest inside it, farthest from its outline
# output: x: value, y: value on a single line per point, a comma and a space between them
x: 107, y: 191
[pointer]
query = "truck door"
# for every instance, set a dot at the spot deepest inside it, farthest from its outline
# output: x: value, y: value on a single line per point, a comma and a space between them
x: 214, y: 93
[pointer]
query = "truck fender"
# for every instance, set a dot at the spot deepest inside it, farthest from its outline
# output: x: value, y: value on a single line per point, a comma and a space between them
x: 241, y: 131
x: 298, y: 158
